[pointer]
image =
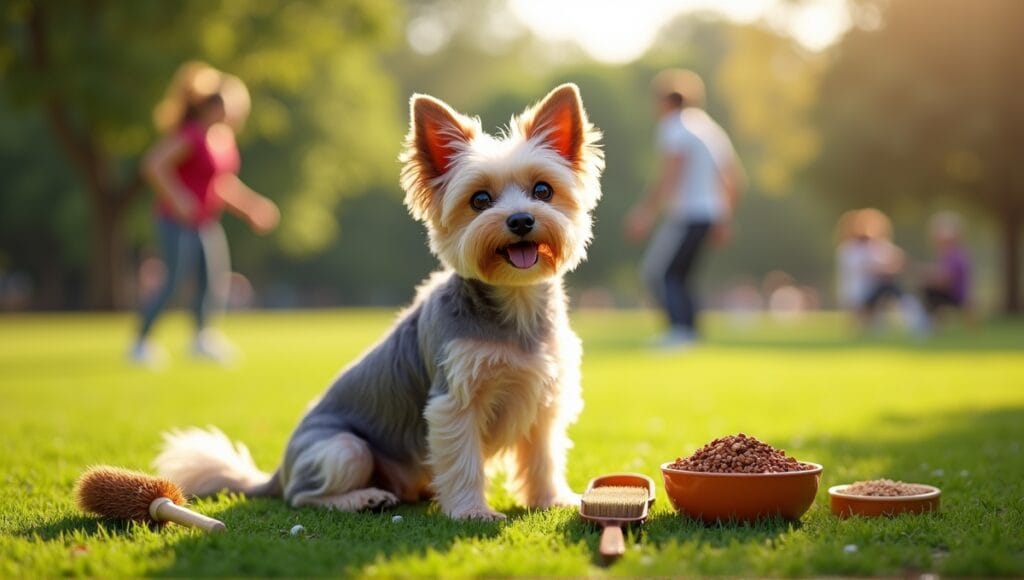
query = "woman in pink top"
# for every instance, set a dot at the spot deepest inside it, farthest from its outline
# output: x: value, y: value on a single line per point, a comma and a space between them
x: 194, y: 171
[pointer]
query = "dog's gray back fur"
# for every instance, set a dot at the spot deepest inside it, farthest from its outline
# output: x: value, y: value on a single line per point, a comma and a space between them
x: 381, y: 397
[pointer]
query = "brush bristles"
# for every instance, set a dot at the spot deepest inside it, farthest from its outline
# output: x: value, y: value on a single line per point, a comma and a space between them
x: 113, y: 492
x: 614, y: 501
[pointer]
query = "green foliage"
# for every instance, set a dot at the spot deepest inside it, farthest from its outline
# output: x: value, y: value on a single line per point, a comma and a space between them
x: 771, y: 87
x: 42, y: 213
x: 323, y: 123
x: 924, y: 107
x: 948, y: 412
x: 310, y: 66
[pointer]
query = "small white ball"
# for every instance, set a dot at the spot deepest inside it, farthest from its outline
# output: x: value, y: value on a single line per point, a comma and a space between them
x: 396, y: 519
x: 298, y: 529
x: 850, y: 548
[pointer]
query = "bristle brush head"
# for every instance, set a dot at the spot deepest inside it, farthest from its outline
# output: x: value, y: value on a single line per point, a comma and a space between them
x: 113, y: 492
x: 614, y: 501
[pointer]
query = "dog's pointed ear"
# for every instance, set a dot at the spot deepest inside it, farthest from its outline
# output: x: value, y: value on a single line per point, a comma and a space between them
x: 560, y: 122
x: 437, y: 134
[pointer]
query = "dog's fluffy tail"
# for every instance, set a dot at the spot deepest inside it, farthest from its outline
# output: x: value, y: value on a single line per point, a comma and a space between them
x: 204, y: 462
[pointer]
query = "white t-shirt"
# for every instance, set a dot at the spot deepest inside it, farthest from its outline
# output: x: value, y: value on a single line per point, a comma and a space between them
x: 860, y: 263
x: 855, y: 276
x: 707, y: 152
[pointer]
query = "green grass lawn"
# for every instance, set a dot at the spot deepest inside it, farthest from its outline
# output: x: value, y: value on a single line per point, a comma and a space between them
x: 949, y: 412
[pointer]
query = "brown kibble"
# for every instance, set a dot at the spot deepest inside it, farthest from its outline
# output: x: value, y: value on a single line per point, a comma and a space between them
x: 885, y: 488
x: 739, y: 454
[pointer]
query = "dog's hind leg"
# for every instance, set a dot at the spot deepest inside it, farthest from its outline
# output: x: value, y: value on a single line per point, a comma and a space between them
x: 335, y: 472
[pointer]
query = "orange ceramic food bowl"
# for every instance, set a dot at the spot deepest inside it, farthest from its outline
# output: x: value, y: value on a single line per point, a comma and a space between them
x: 741, y: 496
x: 845, y: 505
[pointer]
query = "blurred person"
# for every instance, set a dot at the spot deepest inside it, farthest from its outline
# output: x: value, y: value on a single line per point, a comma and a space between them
x: 869, y: 268
x: 693, y: 196
x: 947, y: 281
x: 854, y: 276
x: 193, y: 169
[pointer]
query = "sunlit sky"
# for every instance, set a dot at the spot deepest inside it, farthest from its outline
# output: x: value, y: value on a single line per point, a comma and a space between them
x: 619, y: 31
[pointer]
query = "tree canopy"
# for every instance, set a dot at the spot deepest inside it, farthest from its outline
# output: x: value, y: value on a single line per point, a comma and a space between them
x: 322, y: 124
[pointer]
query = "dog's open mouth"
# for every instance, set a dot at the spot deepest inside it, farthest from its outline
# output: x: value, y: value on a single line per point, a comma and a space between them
x: 521, y: 255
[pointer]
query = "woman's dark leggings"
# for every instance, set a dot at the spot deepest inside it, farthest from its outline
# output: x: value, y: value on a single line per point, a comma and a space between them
x: 183, y: 253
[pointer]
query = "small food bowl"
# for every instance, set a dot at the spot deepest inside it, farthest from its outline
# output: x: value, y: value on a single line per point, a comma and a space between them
x: 845, y: 505
x: 742, y: 497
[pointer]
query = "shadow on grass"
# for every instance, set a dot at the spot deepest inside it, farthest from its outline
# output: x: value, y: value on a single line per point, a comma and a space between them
x: 663, y: 527
x: 667, y: 527
x: 85, y: 525
x: 259, y: 542
x: 975, y: 457
x: 951, y: 448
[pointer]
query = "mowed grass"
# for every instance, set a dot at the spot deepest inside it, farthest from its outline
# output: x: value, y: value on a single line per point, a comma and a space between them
x: 949, y: 412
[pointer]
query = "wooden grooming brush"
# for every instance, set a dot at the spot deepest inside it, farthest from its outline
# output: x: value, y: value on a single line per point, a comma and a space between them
x: 612, y: 501
x: 113, y: 492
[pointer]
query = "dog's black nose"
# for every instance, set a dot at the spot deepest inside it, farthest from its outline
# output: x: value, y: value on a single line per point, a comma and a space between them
x: 520, y: 224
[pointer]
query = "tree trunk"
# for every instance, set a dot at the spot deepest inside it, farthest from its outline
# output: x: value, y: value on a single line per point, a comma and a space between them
x: 108, y: 256
x: 1011, y: 261
x: 1011, y: 141
x: 108, y: 198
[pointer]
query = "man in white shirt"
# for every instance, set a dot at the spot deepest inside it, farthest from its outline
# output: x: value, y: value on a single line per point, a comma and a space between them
x: 696, y: 189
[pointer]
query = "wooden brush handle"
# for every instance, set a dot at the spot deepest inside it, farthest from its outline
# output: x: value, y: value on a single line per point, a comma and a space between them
x: 612, y: 544
x: 164, y: 510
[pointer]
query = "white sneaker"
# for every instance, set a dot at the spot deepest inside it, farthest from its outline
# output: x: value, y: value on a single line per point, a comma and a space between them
x: 211, y: 345
x: 916, y: 317
x: 147, y: 354
x: 676, y: 339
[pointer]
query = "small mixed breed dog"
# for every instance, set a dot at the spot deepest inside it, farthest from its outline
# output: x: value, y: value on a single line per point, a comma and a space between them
x: 483, y: 366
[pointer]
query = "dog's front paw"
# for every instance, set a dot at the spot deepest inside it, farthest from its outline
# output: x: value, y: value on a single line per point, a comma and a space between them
x: 482, y: 513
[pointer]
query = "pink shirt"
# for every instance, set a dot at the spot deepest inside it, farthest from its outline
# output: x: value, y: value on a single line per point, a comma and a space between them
x: 200, y: 169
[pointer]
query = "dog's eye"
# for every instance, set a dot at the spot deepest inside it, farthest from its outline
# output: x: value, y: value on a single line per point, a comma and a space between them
x: 542, y: 191
x: 481, y: 200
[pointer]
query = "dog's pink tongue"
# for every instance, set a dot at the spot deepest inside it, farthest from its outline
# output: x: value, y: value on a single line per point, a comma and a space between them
x: 522, y: 255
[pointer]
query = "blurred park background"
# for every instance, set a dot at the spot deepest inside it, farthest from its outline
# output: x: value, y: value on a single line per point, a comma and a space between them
x: 911, y: 106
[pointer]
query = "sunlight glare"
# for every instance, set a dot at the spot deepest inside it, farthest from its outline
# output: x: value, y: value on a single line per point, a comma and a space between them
x: 618, y: 32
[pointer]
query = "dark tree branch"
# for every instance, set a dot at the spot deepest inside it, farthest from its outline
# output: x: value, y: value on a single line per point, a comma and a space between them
x: 80, y: 148
x: 108, y: 201
x: 130, y: 190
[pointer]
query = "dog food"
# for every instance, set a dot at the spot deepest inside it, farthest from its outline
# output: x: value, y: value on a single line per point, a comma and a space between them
x: 739, y: 454
x: 885, y: 488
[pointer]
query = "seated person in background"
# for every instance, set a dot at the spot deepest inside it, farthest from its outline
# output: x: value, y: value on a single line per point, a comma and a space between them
x: 869, y: 267
x: 947, y: 280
